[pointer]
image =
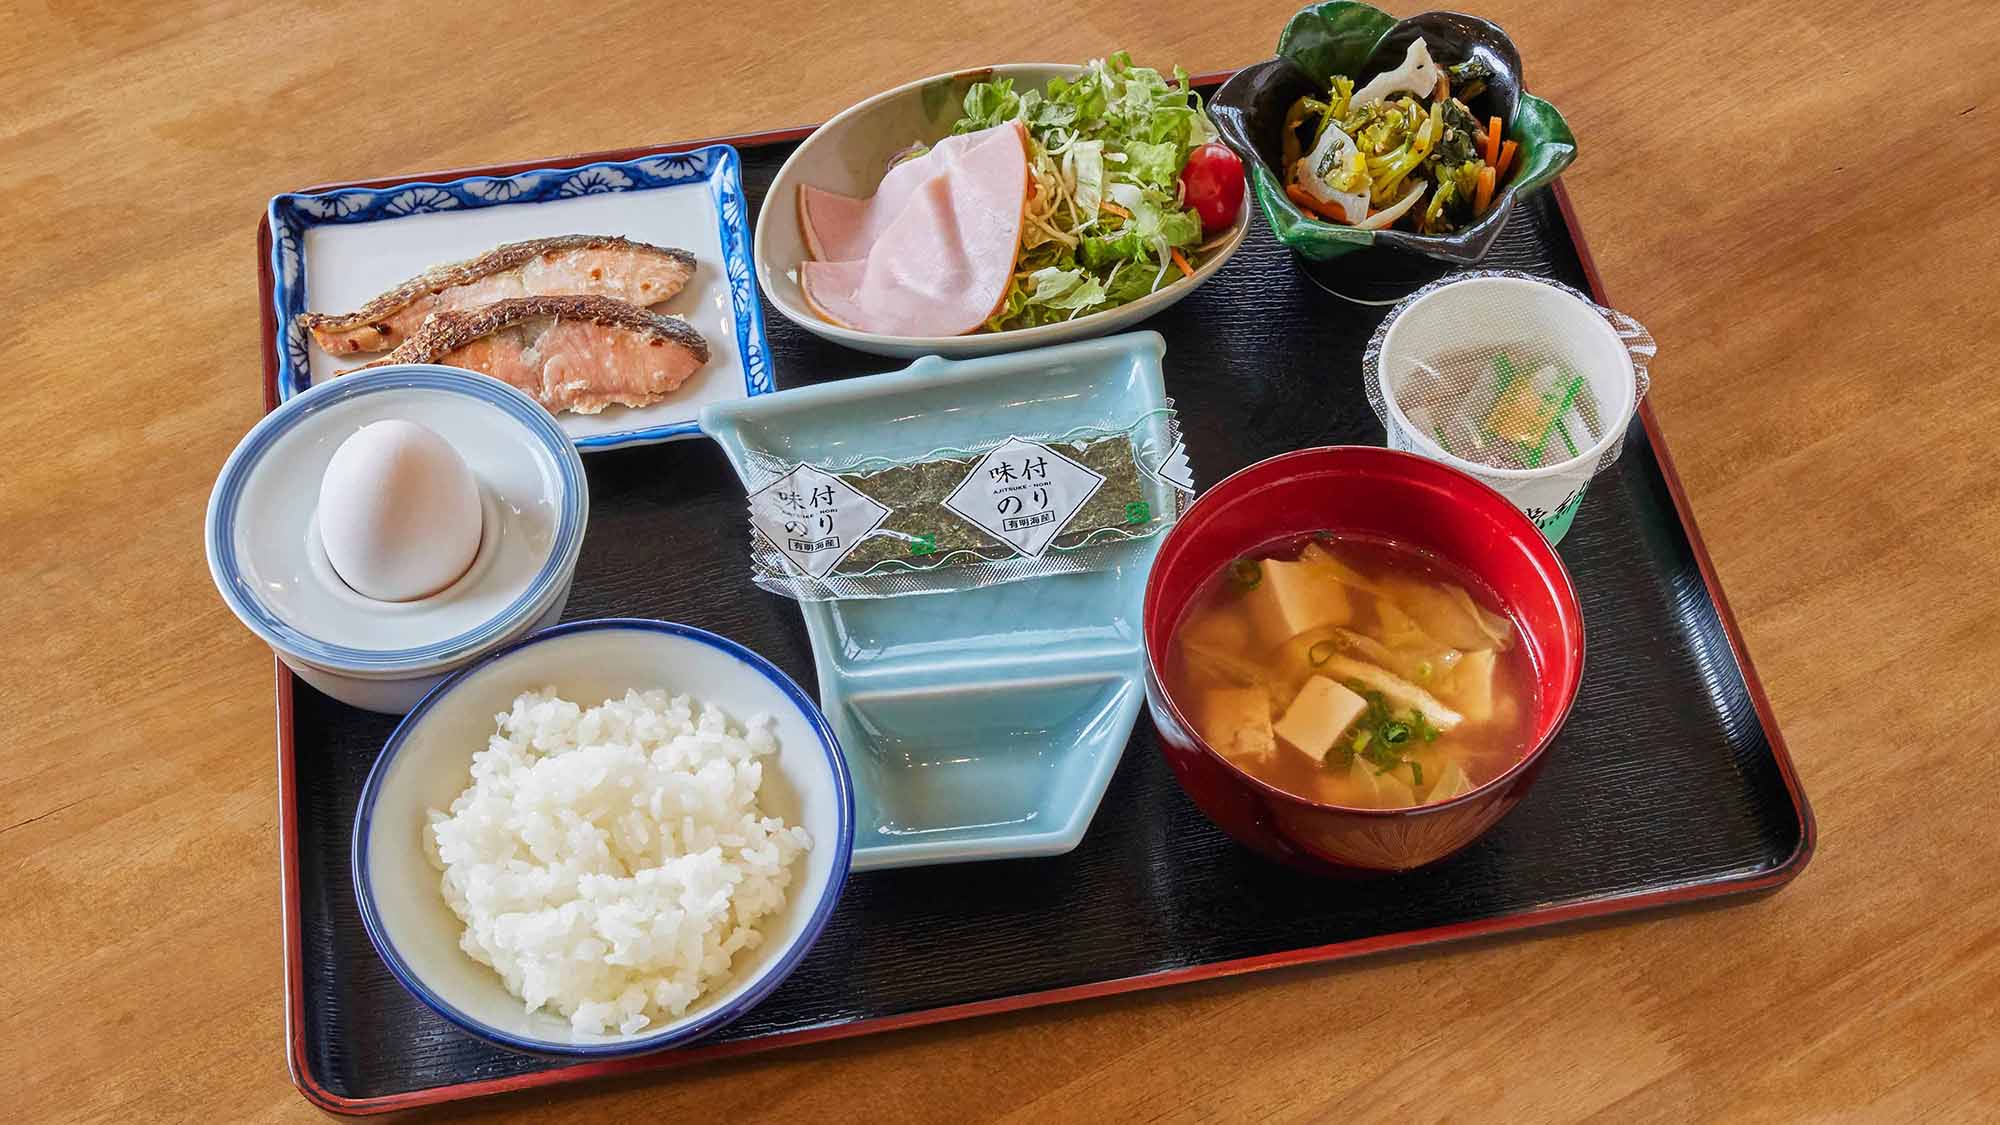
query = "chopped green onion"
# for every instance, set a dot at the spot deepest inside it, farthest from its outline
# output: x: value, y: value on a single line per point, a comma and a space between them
x: 1361, y: 742
x: 1245, y: 575
x: 1424, y: 726
x: 1534, y: 455
x: 1321, y: 652
x: 1416, y: 774
x: 1395, y: 734
x: 1424, y: 670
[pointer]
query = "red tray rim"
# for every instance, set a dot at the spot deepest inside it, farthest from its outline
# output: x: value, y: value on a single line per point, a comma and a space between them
x: 326, y: 1099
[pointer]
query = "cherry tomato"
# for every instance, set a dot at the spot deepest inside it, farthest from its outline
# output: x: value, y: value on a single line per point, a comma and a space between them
x: 1212, y: 184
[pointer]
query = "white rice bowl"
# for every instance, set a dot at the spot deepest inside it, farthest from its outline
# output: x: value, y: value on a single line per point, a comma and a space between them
x: 610, y: 863
x: 427, y: 765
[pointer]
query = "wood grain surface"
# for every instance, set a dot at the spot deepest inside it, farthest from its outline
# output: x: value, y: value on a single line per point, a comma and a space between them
x: 1796, y: 197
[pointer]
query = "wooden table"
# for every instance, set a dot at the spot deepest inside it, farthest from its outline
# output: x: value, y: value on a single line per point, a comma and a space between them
x: 1797, y: 197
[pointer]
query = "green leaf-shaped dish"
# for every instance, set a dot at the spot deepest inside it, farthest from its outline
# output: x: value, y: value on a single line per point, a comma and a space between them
x: 1360, y: 41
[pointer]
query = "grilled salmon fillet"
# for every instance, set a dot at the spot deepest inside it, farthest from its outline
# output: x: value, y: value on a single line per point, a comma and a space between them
x: 571, y: 264
x: 580, y: 354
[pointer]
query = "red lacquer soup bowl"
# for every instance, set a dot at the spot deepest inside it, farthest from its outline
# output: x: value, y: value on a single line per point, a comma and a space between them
x: 1362, y: 490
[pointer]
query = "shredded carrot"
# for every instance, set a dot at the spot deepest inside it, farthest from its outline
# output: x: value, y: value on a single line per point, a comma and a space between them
x: 1186, y: 270
x: 1121, y: 212
x: 1506, y: 158
x: 1310, y: 205
x: 1315, y: 207
x: 1484, y: 194
x: 1492, y: 140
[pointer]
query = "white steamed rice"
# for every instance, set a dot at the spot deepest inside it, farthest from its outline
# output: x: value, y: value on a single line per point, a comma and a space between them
x: 609, y: 863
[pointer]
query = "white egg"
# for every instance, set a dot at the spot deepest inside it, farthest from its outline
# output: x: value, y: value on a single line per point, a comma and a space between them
x: 399, y: 512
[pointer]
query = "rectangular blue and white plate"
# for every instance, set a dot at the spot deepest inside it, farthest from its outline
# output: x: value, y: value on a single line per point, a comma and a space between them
x: 331, y: 251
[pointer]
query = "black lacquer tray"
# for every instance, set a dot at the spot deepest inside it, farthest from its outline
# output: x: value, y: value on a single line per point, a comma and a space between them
x: 1670, y: 783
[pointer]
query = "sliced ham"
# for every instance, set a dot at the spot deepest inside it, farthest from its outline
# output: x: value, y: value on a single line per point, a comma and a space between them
x: 942, y: 265
x: 840, y: 228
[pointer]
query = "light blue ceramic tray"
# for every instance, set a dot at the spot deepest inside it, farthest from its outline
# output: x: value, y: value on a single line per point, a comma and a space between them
x: 981, y: 724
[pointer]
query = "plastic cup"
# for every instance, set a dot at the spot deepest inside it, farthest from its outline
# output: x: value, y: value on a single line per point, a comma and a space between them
x: 1513, y: 312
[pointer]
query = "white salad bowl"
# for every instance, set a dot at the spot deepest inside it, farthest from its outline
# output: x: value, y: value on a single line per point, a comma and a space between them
x: 426, y: 764
x: 850, y: 153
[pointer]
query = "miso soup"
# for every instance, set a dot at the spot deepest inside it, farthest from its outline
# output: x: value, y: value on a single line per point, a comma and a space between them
x: 1354, y: 671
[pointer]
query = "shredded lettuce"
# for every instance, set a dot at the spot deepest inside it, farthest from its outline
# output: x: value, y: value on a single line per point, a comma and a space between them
x: 990, y: 103
x: 1118, y: 134
x: 1058, y: 288
x: 1086, y: 165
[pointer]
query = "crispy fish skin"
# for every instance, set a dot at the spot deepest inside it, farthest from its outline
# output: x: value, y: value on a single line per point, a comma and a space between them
x: 571, y: 264
x: 579, y: 354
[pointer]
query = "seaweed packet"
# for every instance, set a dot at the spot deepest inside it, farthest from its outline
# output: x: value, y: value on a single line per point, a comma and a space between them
x: 1009, y: 507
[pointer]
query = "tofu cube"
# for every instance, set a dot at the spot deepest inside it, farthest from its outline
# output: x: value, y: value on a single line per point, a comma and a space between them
x: 1237, y: 722
x: 1472, y: 685
x: 1292, y: 597
x: 1319, y: 716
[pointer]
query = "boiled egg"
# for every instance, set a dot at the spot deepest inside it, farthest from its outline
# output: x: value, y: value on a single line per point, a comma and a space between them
x: 399, y: 512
